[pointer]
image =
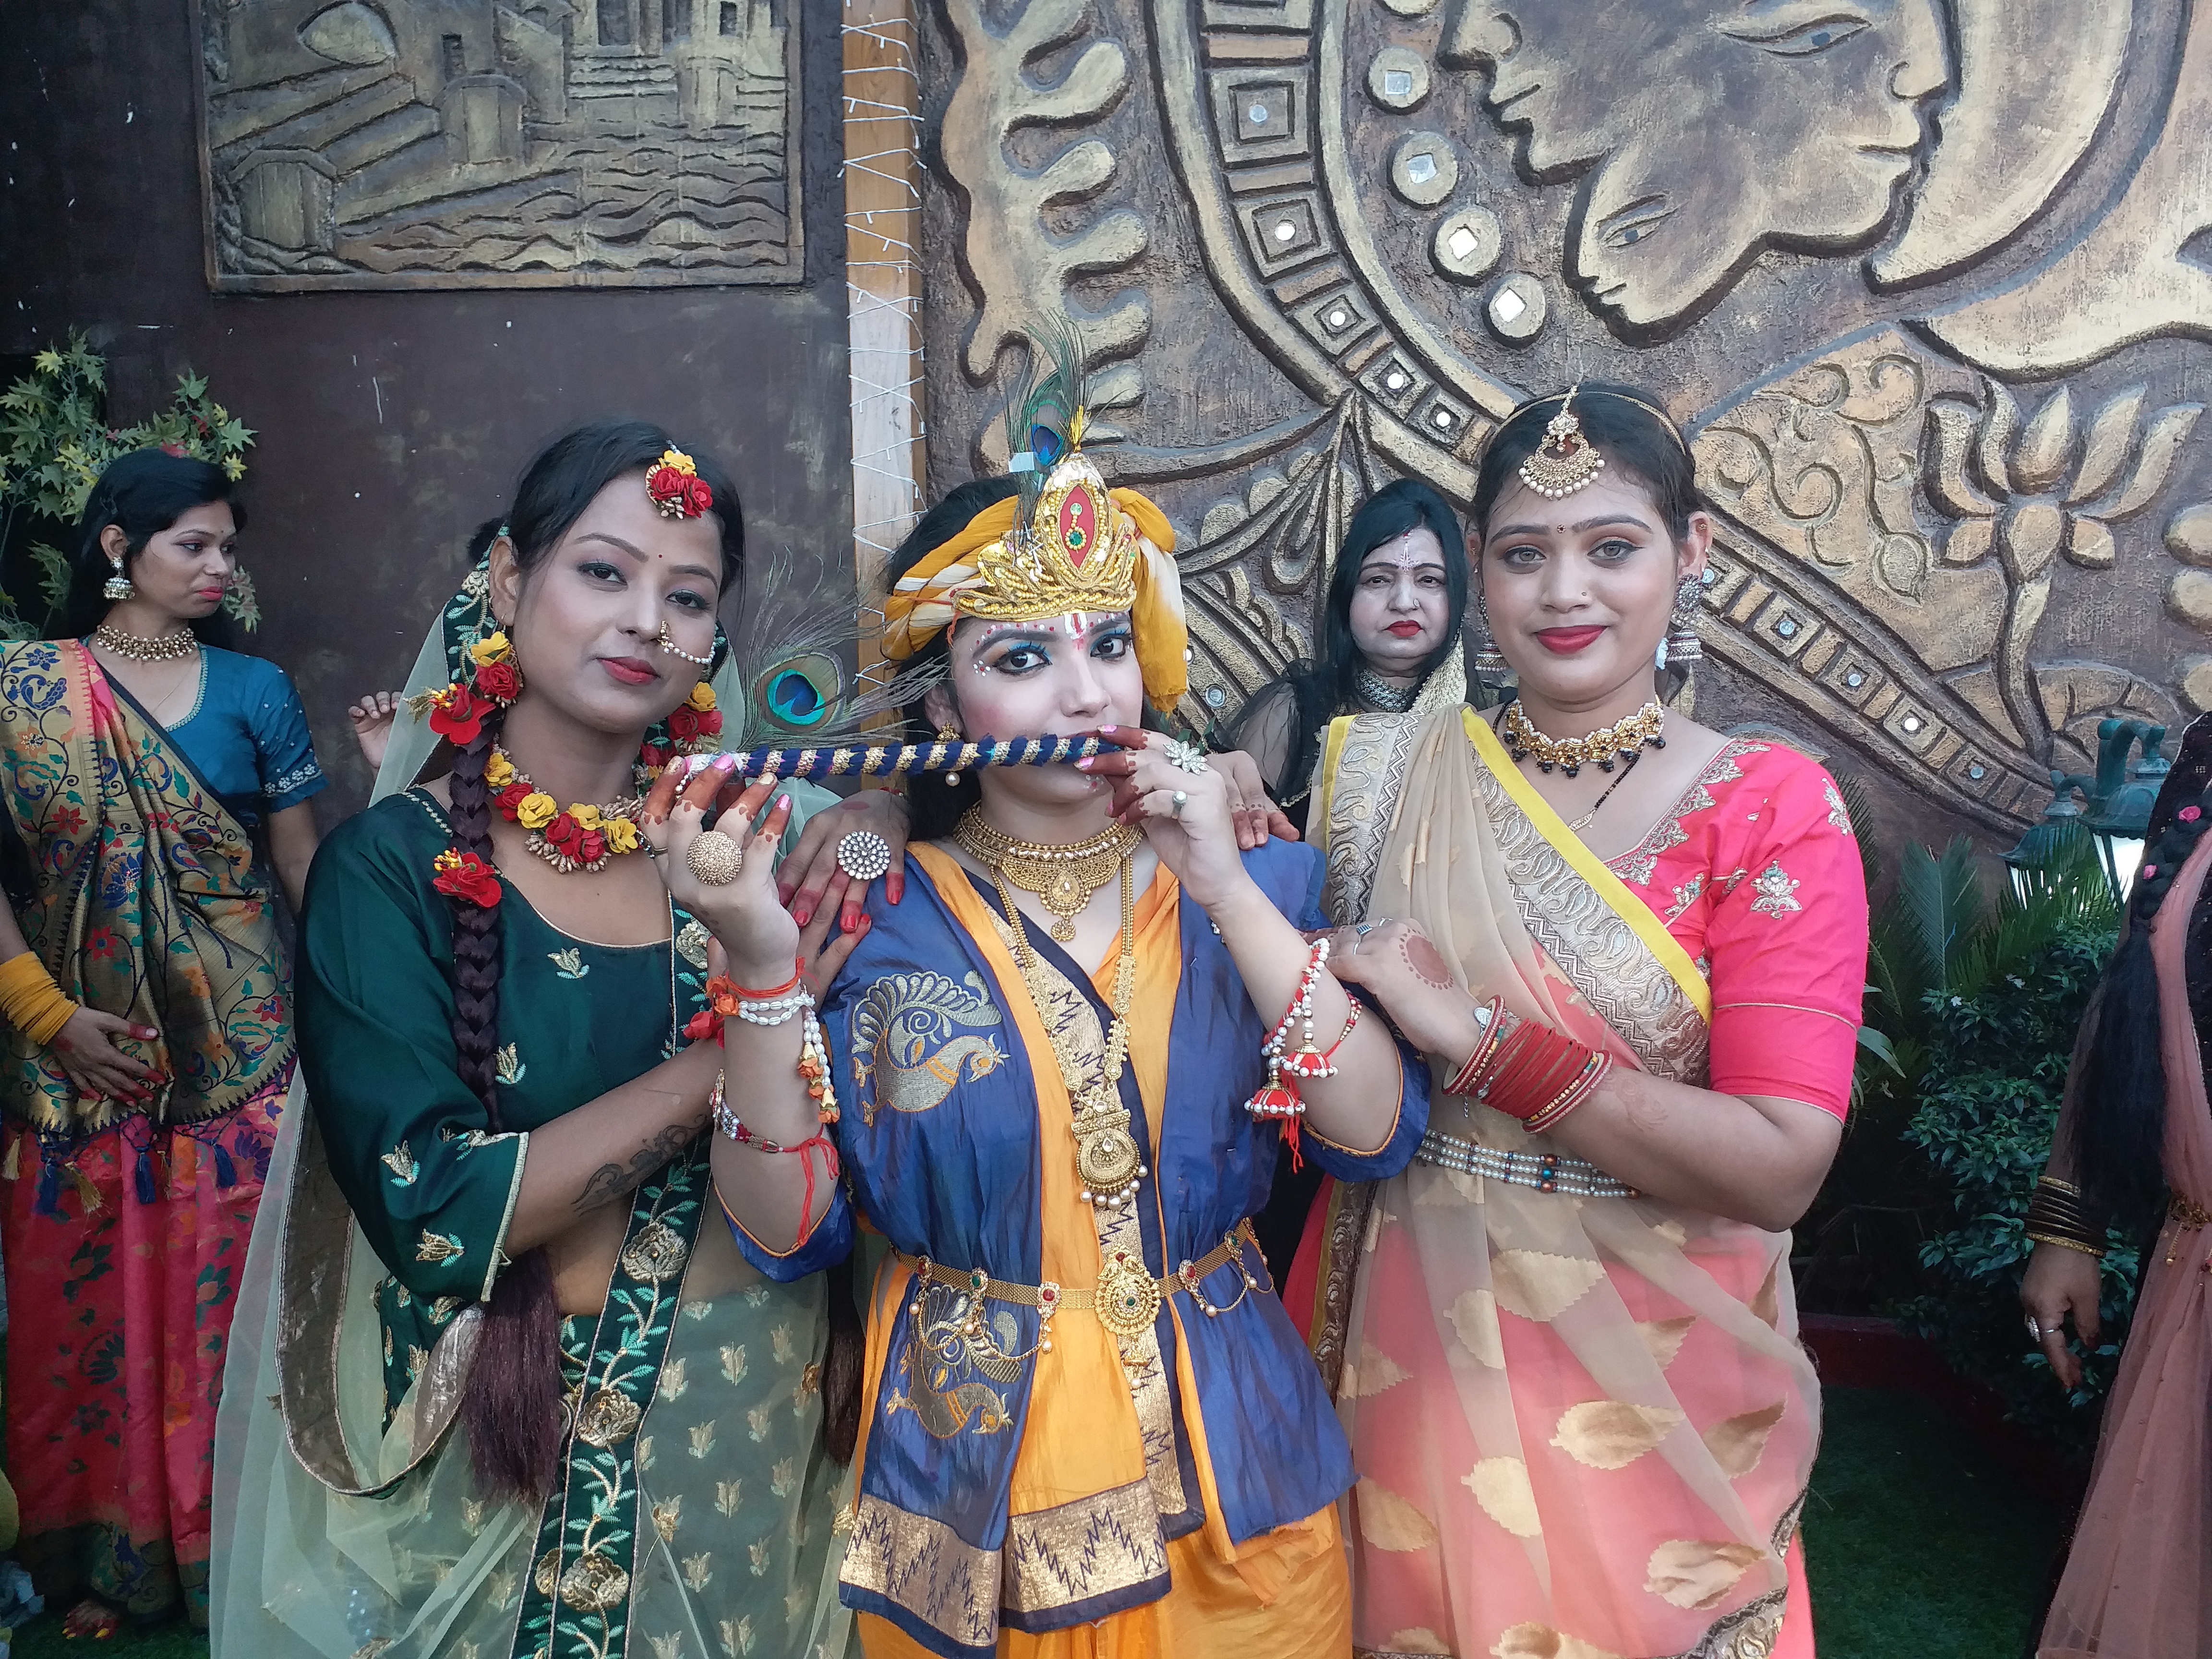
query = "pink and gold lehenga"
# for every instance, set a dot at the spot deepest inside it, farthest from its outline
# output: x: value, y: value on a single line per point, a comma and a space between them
x: 1581, y: 1421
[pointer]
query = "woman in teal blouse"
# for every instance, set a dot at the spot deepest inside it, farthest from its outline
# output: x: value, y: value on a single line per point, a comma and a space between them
x: 534, y: 1408
x: 153, y: 797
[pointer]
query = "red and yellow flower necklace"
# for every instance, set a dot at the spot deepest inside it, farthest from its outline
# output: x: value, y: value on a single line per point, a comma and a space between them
x: 581, y: 836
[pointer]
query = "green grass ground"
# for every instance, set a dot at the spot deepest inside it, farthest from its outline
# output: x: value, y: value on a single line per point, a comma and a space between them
x: 1917, y: 1544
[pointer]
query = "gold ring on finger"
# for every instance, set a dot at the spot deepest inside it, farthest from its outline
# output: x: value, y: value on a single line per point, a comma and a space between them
x: 715, y: 857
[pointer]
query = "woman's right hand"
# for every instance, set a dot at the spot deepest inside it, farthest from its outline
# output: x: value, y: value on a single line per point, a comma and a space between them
x: 755, y: 930
x: 87, y: 1050
x: 2060, y: 1282
x: 372, y: 719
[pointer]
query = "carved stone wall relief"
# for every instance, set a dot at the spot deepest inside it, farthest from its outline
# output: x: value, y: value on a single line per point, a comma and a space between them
x: 1917, y: 275
x: 473, y: 144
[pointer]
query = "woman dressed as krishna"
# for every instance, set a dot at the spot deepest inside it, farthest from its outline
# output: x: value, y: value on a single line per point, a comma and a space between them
x: 1633, y: 951
x: 503, y: 1385
x: 1053, y: 1079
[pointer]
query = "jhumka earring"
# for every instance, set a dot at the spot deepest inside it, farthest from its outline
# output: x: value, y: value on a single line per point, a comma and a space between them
x: 1489, y: 660
x: 1682, y: 646
x: 1565, y: 461
x: 950, y: 734
x: 117, y: 586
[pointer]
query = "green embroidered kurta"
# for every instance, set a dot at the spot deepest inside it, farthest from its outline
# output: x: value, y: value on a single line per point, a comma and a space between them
x: 693, y: 1520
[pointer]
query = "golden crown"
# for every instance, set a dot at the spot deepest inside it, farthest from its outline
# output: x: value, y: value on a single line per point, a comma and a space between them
x: 1078, y: 552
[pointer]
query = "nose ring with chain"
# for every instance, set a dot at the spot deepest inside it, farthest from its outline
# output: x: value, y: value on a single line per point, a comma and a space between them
x: 667, y: 642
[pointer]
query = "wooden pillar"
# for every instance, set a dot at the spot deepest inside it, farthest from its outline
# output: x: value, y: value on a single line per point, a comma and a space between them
x: 883, y: 279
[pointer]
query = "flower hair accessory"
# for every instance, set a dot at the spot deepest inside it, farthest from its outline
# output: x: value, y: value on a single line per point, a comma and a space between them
x: 676, y: 489
x: 465, y: 877
x: 492, y: 681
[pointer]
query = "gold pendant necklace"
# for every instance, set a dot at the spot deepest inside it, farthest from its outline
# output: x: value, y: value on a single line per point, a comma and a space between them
x: 1062, y: 877
x: 1604, y: 748
x: 1107, y: 1159
x: 142, y: 648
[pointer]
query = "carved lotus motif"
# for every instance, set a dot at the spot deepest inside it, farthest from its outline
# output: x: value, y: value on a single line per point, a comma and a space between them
x: 2032, y: 492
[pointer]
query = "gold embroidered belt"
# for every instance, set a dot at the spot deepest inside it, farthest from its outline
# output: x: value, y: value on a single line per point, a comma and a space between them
x: 2188, y: 1214
x: 1127, y: 1297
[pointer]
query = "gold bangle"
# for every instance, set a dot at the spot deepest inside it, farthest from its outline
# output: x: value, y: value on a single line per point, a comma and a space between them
x: 31, y: 1001
x: 2065, y: 1243
x: 2058, y: 1186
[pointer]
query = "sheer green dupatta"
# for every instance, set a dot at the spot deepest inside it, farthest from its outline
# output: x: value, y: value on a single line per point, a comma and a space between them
x: 1616, y: 1421
x: 147, y: 904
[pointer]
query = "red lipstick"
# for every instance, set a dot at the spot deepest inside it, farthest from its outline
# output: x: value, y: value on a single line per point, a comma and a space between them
x: 1405, y: 629
x: 1566, y: 642
x: 630, y: 670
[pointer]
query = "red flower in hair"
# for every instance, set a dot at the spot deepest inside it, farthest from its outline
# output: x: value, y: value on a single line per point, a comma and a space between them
x: 499, y: 682
x: 2189, y: 814
x: 465, y: 877
x: 698, y: 498
x: 684, y: 723
x: 457, y: 714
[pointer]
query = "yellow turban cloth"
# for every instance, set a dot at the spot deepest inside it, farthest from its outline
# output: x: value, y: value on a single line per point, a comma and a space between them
x: 926, y: 599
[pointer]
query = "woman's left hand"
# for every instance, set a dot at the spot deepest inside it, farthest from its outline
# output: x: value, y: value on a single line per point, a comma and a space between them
x: 1185, y: 813
x: 1399, y: 963
x: 811, y: 880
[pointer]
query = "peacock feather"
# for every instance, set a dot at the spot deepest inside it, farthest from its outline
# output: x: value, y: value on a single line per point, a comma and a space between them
x: 1046, y: 420
x: 791, y: 662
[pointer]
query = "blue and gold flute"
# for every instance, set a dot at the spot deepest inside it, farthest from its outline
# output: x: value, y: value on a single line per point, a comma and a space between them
x: 903, y: 759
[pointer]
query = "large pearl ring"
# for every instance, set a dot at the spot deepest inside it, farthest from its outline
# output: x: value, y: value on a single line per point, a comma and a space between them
x: 716, y: 859
x: 864, y: 856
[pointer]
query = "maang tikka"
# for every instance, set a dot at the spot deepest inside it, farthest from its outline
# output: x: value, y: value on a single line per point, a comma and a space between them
x: 1565, y: 461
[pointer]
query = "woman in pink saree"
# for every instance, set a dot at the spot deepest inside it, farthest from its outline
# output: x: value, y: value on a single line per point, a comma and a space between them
x: 1564, y: 1340
x: 2136, y: 1136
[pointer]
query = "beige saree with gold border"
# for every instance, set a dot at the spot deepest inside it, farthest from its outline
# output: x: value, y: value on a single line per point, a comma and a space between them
x: 1581, y: 1418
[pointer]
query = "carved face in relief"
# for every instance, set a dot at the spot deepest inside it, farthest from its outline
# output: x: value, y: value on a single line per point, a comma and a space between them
x: 1711, y: 130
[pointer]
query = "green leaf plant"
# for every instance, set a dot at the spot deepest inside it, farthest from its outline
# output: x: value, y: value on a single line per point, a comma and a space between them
x: 1972, y: 1010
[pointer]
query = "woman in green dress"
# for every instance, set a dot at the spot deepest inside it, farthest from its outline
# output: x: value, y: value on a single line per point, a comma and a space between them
x: 533, y: 1408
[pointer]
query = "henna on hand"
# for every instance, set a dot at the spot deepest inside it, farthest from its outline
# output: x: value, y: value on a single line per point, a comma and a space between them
x: 1425, y: 961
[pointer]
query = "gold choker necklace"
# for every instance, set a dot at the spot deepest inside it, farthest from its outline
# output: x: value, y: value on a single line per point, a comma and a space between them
x: 1064, y: 878
x: 1604, y: 748
x: 138, y: 647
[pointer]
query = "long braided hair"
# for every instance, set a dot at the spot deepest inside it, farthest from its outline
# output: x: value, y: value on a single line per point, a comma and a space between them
x: 2118, y: 1125
x: 512, y: 1405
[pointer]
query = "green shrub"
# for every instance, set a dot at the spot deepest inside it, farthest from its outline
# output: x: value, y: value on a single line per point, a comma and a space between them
x: 1989, y: 1104
x: 1972, y: 1012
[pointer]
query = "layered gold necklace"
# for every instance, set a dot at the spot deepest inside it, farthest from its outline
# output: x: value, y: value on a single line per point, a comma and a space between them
x: 1604, y: 748
x: 1063, y: 879
x: 1107, y: 1159
x: 171, y: 646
